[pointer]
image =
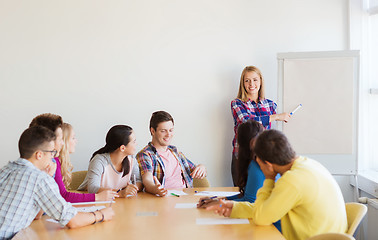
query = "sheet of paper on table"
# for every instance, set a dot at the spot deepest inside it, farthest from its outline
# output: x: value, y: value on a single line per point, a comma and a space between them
x: 81, y: 209
x: 220, y: 221
x: 91, y: 203
x: 186, y: 205
x: 216, y: 193
x: 176, y: 192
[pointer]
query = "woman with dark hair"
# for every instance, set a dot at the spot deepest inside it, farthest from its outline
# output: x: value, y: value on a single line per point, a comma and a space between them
x: 251, y: 178
x: 113, y: 166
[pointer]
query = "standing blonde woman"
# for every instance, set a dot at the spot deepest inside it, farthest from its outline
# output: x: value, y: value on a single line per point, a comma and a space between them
x: 63, y: 175
x: 252, y: 104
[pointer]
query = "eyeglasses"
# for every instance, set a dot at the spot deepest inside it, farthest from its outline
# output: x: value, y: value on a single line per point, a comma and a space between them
x: 53, y: 152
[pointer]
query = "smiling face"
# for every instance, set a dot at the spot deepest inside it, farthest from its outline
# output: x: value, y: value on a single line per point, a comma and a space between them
x: 252, y: 83
x: 162, y: 136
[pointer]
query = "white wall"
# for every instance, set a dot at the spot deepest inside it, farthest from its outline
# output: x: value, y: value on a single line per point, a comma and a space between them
x: 100, y: 63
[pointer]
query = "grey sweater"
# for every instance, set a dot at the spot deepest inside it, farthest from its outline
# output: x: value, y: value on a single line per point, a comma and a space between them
x: 96, y: 169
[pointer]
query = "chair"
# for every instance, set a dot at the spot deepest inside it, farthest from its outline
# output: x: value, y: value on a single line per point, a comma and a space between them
x: 77, y: 178
x: 201, y: 182
x: 332, y: 236
x: 355, y: 213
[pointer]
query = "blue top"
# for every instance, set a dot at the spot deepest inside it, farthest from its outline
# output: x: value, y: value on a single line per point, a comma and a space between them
x: 255, y: 181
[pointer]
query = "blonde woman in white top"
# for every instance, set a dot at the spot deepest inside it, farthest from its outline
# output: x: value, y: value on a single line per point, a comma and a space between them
x: 113, y: 166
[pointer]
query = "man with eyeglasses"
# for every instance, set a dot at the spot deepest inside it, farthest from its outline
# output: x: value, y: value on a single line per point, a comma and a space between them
x: 25, y: 188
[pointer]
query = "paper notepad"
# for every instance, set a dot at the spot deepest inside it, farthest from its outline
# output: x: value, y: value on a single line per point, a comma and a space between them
x: 81, y: 209
x: 216, y: 193
x: 91, y: 203
x: 220, y: 221
x: 90, y: 209
x: 176, y: 192
x: 144, y: 214
x: 186, y: 205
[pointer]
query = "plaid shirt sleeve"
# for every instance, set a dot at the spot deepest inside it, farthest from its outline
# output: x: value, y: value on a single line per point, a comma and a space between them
x: 268, y: 108
x: 144, y: 161
x: 191, y: 165
x: 52, y: 203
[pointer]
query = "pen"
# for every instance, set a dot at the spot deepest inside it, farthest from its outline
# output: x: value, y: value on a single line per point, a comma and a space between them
x: 211, y: 198
x: 134, y: 179
x: 121, y: 189
x: 113, y: 197
x: 175, y: 195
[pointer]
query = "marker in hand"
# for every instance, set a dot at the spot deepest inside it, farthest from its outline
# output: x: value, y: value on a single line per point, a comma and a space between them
x: 296, y: 109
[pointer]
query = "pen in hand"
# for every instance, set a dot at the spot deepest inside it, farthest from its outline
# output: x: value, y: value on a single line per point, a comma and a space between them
x: 210, y: 198
x: 205, y: 201
x: 121, y: 189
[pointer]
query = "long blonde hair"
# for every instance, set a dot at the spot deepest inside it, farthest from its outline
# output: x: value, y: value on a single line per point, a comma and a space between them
x: 242, y: 94
x: 64, y: 155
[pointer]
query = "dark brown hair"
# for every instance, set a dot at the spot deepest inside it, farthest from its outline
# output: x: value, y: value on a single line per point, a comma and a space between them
x: 33, y: 139
x: 48, y: 120
x: 117, y: 136
x: 247, y: 132
x: 273, y: 146
x: 158, y: 117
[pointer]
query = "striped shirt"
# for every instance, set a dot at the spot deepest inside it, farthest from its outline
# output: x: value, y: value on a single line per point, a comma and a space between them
x: 243, y: 111
x: 150, y: 161
x: 24, y: 191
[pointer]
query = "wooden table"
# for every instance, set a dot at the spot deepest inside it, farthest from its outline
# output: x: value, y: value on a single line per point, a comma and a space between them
x: 170, y: 223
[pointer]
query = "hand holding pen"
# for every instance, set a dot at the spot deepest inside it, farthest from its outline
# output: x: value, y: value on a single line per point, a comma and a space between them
x: 207, y: 201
